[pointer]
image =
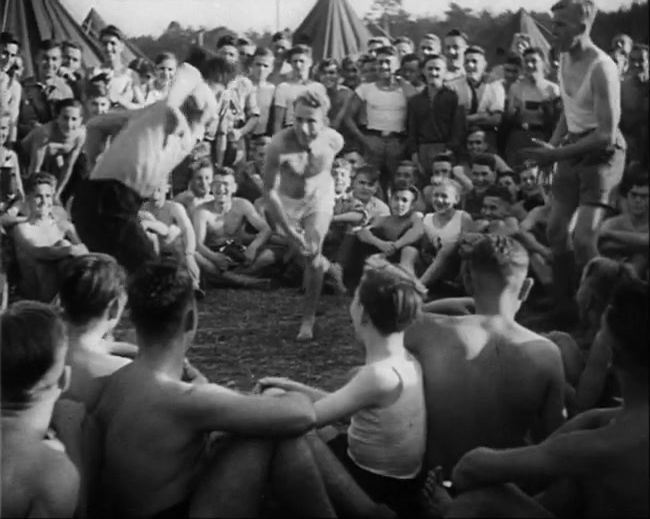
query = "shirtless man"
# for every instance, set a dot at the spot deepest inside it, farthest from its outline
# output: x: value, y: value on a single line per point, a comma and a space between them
x: 198, y: 191
x: 472, y: 363
x: 220, y: 223
x: 299, y: 191
x: 151, y: 142
x: 38, y: 479
x: 597, y: 462
x: 153, y: 431
x: 43, y: 241
x: 587, y: 146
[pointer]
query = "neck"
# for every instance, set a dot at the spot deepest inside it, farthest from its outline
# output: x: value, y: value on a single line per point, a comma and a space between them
x: 32, y: 421
x: 385, y: 82
x: 163, y: 356
x: 433, y: 90
x: 580, y: 46
x: 501, y: 305
x: 379, y: 347
x: 88, y: 337
x: 36, y: 218
x: 223, y: 206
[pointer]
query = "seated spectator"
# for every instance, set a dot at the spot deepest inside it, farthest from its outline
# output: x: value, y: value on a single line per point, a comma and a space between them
x: 355, y: 158
x: 218, y: 226
x: 596, y: 464
x: 444, y: 168
x: 472, y: 363
x: 625, y: 237
x: 509, y: 180
x: 495, y: 214
x: 407, y: 174
x: 97, y: 101
x: 43, y: 242
x: 173, y: 230
x: 198, y: 191
x: 184, y: 471
x: 249, y: 175
x: 383, y: 448
x: 390, y: 235
x: 39, y: 480
x: 442, y: 231
x: 530, y: 193
x: 532, y: 234
x: 477, y: 145
x: 56, y: 147
x: 483, y: 175
x: 364, y: 188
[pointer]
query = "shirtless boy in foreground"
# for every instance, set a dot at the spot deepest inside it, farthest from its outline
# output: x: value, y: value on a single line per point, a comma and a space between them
x: 38, y: 479
x: 299, y: 191
x: 487, y: 379
x: 598, y: 462
x: 153, y: 431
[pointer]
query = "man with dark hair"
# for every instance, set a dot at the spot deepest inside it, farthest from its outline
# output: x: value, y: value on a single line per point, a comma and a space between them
x: 587, y: 145
x: 300, y: 58
x: 38, y: 479
x: 429, y: 46
x: 11, y: 90
x: 410, y: 75
x: 41, y: 92
x: 597, y: 463
x: 635, y: 91
x: 404, y: 46
x: 280, y: 45
x: 472, y: 364
x: 384, y: 103
x: 72, y: 67
x: 299, y: 190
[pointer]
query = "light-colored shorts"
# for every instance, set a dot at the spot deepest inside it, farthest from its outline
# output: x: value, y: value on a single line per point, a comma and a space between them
x: 299, y: 209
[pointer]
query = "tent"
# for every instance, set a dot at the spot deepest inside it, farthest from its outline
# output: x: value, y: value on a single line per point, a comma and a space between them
x: 94, y: 23
x: 522, y: 22
x: 333, y: 30
x: 32, y: 21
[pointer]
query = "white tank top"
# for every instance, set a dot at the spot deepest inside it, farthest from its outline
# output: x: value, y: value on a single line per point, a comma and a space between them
x: 579, y: 109
x: 449, y: 233
x: 390, y: 441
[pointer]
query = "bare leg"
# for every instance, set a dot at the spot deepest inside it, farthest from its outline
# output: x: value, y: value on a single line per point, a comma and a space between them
x: 496, y: 501
x: 346, y: 495
x: 205, y: 264
x: 316, y: 226
x: 585, y: 234
x: 298, y: 482
x: 234, y: 481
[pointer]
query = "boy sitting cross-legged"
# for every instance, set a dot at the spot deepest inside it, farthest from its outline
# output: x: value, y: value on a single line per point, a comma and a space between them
x: 38, y: 479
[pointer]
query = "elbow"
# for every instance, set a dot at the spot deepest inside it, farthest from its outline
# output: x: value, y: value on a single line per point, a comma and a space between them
x: 606, y: 139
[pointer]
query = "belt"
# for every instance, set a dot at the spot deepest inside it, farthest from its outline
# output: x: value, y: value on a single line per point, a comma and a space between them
x: 381, y: 133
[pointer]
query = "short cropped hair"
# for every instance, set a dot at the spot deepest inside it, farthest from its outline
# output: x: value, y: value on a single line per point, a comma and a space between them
x: 390, y: 296
x: 387, y: 50
x: 514, y: 59
x: 228, y: 40
x: 509, y: 173
x: 627, y: 319
x: 497, y: 255
x: 314, y: 99
x: 408, y: 58
x: 370, y: 172
x: 431, y: 36
x: 263, y: 52
x: 340, y: 162
x: 201, y: 163
x: 66, y: 103
x: 403, y: 185
x: 96, y: 89
x: 444, y: 157
x: 88, y: 285
x: 475, y: 49
x: 328, y: 62
x: 46, y: 45
x: 163, y: 56
x: 485, y: 159
x: 586, y: 9
x: 535, y: 50
x: 498, y: 192
x: 70, y: 45
x: 456, y: 33
x: 408, y: 164
x: 224, y: 171
x: 111, y: 30
x: 159, y: 293
x: 32, y: 334
x: 301, y: 48
x: 40, y: 178
x: 403, y: 39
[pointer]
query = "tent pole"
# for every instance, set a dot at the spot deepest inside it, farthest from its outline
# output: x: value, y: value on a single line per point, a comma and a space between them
x: 277, y: 15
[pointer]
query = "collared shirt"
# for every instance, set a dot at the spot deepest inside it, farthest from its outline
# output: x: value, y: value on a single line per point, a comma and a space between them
x: 491, y: 95
x: 527, y: 98
x: 37, y: 102
x: 634, y: 95
x: 434, y: 120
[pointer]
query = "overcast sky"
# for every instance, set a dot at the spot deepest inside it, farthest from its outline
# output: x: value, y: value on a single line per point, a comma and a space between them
x: 137, y: 17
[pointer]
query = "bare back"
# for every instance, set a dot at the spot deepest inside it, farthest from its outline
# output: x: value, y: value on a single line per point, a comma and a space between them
x: 486, y: 382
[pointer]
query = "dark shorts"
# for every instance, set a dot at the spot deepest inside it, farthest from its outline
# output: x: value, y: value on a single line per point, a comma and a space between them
x: 105, y: 215
x: 591, y: 179
x: 398, y: 494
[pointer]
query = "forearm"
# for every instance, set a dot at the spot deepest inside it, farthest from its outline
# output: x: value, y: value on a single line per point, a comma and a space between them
x: 595, y: 141
x: 559, y: 132
x: 530, y: 242
x: 351, y: 217
x: 261, y: 238
x: 438, y: 265
x: 250, y: 125
x: 410, y: 237
x: 365, y: 235
x: 354, y: 129
x: 206, y: 252
x: 633, y: 241
x: 274, y: 206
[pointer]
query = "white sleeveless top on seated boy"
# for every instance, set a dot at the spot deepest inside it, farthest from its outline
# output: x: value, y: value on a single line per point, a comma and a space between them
x: 449, y: 233
x: 390, y: 441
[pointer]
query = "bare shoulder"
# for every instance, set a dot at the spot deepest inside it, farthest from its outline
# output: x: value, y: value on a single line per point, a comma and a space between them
x: 57, y: 484
x: 426, y: 327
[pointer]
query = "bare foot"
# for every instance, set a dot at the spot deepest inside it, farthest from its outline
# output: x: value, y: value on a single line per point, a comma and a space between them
x: 306, y: 332
x: 434, y: 498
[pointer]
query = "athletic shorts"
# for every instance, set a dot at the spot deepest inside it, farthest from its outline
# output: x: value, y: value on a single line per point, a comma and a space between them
x: 591, y: 179
x: 299, y: 209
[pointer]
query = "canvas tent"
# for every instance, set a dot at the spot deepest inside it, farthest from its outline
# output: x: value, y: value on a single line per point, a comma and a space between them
x: 333, y: 30
x: 522, y: 22
x: 32, y: 21
x: 94, y: 23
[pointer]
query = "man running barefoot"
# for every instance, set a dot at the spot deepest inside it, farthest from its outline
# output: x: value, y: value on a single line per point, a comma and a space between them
x: 299, y: 190
x: 586, y: 144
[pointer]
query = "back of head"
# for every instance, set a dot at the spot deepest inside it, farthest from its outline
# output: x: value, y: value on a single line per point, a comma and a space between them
x: 40, y: 178
x: 497, y: 257
x: 627, y: 320
x: 89, y: 284
x: 160, y: 294
x: 485, y: 159
x: 32, y: 337
x: 390, y: 296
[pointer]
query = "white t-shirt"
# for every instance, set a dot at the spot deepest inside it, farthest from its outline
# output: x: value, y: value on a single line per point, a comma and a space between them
x: 386, y: 109
x: 492, y: 98
x: 286, y: 93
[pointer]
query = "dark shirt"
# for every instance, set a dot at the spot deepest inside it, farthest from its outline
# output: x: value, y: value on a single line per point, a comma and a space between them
x: 38, y: 100
x: 473, y: 204
x: 434, y: 121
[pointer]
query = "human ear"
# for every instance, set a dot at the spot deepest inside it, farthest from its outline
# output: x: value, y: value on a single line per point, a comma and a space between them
x: 526, y: 287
